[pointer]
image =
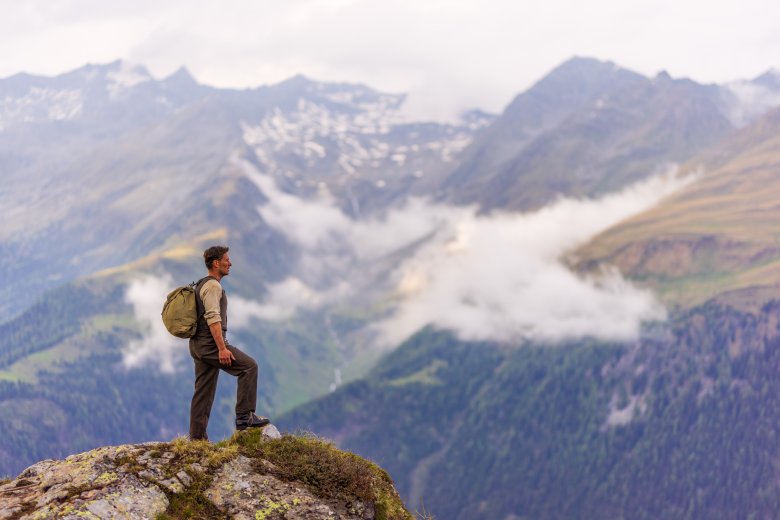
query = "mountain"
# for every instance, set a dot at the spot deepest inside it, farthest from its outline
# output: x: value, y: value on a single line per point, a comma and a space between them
x: 590, y: 127
x: 252, y: 475
x: 715, y: 238
x: 103, y: 164
x: 112, y: 177
x: 117, y: 181
x: 681, y: 424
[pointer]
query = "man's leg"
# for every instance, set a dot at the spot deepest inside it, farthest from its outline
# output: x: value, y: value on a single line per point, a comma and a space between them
x: 245, y: 368
x: 206, y: 376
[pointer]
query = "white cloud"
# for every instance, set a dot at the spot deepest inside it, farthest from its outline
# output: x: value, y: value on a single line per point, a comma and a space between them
x: 448, y: 55
x: 496, y: 277
x: 749, y: 101
x: 157, y: 347
x: 289, y: 295
x: 500, y: 277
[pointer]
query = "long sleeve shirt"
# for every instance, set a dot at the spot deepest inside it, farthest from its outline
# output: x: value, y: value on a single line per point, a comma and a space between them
x: 210, y: 294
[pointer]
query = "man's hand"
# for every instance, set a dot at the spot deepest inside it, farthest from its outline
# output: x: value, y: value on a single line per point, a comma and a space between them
x: 226, y: 357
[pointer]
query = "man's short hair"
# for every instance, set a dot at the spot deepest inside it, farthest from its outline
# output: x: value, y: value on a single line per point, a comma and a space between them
x: 214, y: 253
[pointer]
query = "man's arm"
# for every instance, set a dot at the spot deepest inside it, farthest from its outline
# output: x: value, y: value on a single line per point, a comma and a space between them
x: 210, y: 294
x: 225, y: 356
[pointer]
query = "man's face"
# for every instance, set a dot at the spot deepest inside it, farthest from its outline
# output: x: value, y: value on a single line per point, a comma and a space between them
x: 223, y: 265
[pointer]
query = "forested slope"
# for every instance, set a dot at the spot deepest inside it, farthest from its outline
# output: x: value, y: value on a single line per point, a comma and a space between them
x: 683, y: 424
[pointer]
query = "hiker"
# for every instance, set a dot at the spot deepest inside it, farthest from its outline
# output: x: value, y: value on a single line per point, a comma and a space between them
x: 211, y: 351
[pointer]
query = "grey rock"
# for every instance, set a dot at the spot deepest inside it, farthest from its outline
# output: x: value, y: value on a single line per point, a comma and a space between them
x: 197, y: 468
x: 126, y: 482
x: 86, y: 485
x: 244, y: 494
x: 184, y: 478
x: 271, y: 432
x: 146, y: 474
x: 173, y: 485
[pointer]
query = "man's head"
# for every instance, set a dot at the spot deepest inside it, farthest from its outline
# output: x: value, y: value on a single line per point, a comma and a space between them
x: 217, y: 260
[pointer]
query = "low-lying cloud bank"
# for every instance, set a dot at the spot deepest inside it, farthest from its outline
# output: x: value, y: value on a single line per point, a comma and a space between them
x: 496, y: 277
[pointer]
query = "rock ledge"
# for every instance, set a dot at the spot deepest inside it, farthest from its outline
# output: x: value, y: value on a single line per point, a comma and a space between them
x: 162, y: 480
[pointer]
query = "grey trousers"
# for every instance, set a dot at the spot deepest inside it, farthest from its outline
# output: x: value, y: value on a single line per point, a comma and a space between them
x: 207, y: 367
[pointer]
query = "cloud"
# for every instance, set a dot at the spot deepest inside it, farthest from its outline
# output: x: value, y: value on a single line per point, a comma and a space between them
x: 496, y: 277
x: 448, y: 55
x: 157, y: 346
x: 749, y: 101
x: 289, y: 295
x: 485, y: 277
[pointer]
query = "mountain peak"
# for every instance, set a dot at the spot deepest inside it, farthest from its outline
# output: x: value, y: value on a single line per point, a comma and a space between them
x: 181, y: 77
x: 770, y: 79
x: 584, y: 61
x: 586, y: 73
x: 299, y: 80
x: 150, y: 479
x: 582, y: 65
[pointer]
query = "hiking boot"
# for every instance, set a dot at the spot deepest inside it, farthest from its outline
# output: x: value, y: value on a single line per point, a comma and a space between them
x: 251, y: 421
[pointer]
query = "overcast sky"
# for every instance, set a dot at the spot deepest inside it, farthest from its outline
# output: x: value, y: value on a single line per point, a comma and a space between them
x: 448, y: 54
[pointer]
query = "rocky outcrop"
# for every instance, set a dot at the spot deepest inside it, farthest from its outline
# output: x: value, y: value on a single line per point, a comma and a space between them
x: 171, y: 480
x: 240, y: 491
x: 112, y: 482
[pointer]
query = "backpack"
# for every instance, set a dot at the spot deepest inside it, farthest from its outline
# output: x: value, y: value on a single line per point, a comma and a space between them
x: 180, y: 312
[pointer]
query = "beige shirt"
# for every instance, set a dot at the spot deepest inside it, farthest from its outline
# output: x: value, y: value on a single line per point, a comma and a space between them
x: 210, y: 294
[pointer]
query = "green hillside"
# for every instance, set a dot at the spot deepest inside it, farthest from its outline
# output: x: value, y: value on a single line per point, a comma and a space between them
x: 684, y: 424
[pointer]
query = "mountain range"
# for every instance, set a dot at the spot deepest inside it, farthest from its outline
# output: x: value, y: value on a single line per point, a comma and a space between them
x: 115, y: 181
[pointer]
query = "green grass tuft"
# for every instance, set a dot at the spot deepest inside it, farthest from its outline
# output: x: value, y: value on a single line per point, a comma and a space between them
x: 326, y: 471
x: 192, y: 503
x: 316, y: 463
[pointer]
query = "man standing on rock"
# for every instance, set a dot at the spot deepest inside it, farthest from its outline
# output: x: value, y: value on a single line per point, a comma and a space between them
x: 211, y: 352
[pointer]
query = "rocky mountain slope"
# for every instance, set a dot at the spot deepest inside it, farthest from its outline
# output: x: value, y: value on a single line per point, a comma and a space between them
x: 252, y: 476
x: 591, y: 127
x: 106, y: 165
x: 717, y: 237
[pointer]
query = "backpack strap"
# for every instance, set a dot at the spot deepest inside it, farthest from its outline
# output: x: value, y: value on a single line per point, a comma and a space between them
x: 196, y: 287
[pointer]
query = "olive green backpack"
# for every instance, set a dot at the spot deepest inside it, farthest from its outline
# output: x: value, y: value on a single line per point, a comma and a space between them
x: 180, y: 313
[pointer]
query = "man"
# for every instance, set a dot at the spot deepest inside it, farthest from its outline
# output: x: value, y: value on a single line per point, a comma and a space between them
x: 211, y: 352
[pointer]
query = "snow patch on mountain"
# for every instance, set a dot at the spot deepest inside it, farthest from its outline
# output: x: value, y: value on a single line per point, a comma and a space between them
x: 341, y: 135
x: 40, y: 104
x: 125, y: 77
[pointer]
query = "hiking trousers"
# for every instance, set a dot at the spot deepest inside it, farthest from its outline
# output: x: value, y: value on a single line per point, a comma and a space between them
x: 207, y: 367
